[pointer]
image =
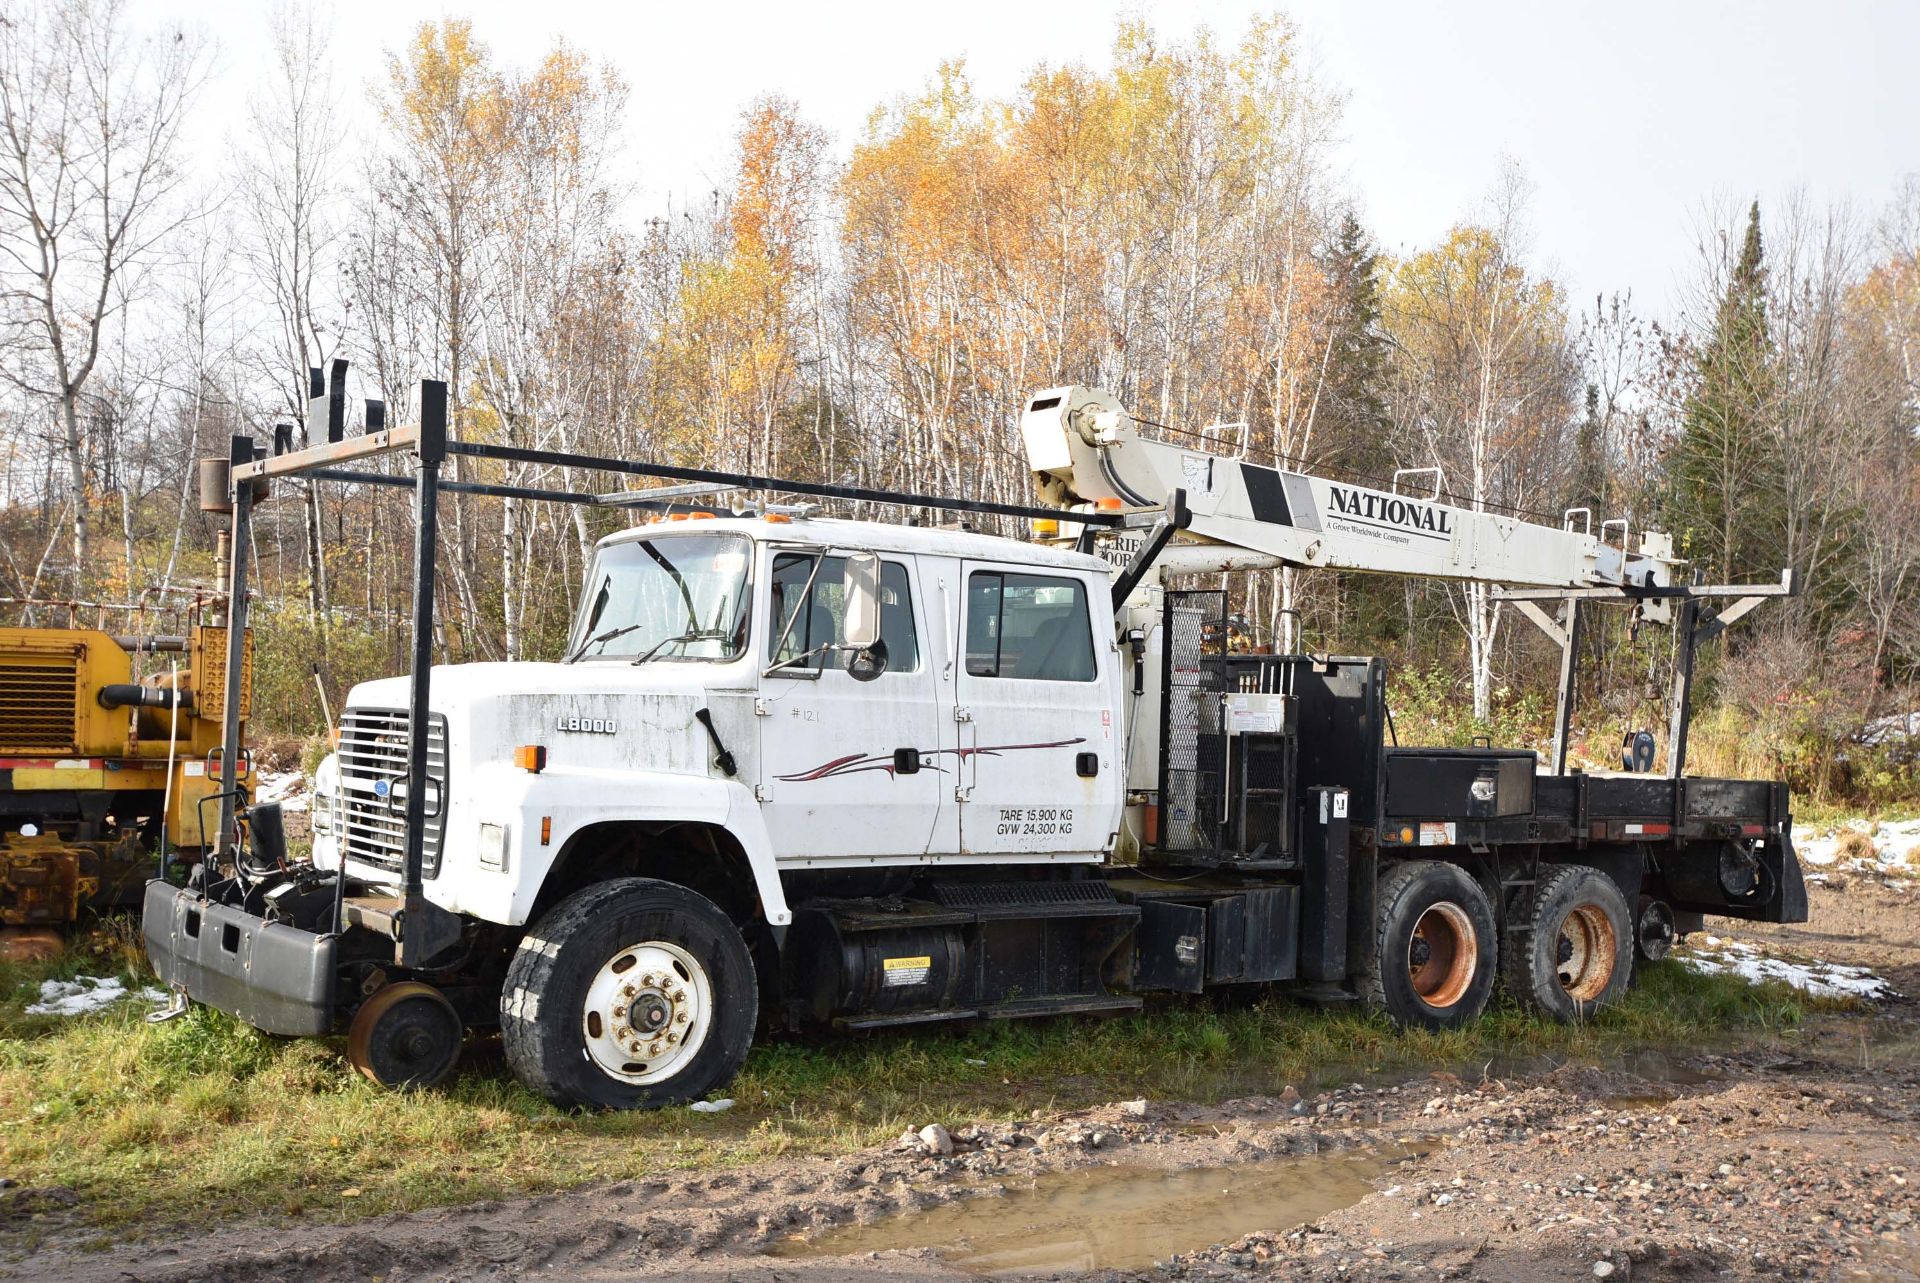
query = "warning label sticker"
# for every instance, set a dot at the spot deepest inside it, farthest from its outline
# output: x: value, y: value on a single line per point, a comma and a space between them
x: 906, y: 971
x: 1433, y: 834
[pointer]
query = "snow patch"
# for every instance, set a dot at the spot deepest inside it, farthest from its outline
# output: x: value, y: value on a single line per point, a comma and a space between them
x: 85, y: 994
x: 288, y: 788
x: 1713, y: 956
x: 1891, y: 730
x: 1892, y: 841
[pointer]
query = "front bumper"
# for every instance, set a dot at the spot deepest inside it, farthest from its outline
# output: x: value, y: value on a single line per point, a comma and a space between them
x: 275, y: 977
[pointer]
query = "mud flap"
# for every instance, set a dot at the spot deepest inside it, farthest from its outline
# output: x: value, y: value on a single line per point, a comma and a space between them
x: 277, y: 978
x: 1788, y: 899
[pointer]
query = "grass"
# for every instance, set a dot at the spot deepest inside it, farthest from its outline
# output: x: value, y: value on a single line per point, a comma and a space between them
x: 207, y: 1118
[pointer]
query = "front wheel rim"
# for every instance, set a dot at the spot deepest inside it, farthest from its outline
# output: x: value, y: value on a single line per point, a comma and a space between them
x: 1587, y: 952
x: 648, y: 1011
x: 1443, y: 954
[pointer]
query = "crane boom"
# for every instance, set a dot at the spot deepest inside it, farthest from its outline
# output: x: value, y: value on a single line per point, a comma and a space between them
x: 1087, y: 453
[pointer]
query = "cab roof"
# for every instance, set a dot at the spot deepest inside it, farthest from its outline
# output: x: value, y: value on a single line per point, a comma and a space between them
x: 873, y: 536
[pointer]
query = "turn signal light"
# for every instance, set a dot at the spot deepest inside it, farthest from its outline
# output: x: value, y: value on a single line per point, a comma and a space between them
x: 531, y: 757
x: 546, y: 830
x: 1045, y: 527
x: 777, y: 519
x: 1109, y: 504
x: 1406, y: 835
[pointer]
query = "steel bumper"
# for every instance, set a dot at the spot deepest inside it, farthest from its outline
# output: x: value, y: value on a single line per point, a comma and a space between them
x: 275, y: 977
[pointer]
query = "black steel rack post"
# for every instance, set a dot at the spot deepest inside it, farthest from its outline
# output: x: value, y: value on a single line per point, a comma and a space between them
x: 1690, y: 630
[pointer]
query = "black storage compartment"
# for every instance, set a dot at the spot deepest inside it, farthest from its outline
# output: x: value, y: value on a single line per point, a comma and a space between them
x: 1254, y: 937
x: 1459, y: 783
x: 1242, y: 937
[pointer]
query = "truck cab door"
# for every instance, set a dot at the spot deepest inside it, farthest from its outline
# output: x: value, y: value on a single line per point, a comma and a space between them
x: 846, y: 768
x: 1040, y: 766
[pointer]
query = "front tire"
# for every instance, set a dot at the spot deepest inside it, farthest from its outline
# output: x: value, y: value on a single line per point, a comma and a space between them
x: 1434, y: 954
x: 631, y: 994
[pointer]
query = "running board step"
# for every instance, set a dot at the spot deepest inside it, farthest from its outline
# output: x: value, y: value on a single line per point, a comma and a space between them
x: 1070, y: 1005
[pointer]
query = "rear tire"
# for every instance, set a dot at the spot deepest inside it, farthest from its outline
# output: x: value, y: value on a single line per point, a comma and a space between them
x: 1578, y: 955
x: 631, y: 994
x: 1434, y: 955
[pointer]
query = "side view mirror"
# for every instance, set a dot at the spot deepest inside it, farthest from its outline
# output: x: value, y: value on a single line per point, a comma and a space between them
x: 865, y: 665
x: 860, y: 598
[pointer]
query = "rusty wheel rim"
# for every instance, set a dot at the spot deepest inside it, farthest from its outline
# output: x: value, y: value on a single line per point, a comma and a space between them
x: 415, y: 1057
x: 1442, y: 954
x: 1587, y: 952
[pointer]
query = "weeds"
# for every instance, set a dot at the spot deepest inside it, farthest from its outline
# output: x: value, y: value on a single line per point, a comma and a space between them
x: 205, y: 1113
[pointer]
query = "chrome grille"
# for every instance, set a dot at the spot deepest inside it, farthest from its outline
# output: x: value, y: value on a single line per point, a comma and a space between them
x: 37, y: 706
x: 373, y: 749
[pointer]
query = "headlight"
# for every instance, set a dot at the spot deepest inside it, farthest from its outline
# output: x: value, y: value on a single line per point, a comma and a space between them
x: 493, y: 846
x: 326, y: 783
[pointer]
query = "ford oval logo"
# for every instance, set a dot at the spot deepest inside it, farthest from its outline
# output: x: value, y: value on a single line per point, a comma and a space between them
x: 383, y: 788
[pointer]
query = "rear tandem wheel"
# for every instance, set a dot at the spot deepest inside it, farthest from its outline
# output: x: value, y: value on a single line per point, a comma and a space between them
x: 1434, y: 952
x: 1576, y: 955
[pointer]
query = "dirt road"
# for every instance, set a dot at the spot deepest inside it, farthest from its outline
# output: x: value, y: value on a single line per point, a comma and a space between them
x: 1795, y: 1159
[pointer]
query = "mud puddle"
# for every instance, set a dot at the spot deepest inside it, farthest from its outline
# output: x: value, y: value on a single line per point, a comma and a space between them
x: 1678, y: 1066
x: 1114, y: 1217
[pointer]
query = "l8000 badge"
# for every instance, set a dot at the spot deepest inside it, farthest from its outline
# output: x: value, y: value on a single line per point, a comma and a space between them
x: 590, y: 725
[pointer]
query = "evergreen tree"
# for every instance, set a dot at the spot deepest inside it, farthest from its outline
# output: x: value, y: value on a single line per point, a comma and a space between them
x: 1587, y: 485
x: 1353, y: 403
x: 1352, y: 395
x: 1721, y: 466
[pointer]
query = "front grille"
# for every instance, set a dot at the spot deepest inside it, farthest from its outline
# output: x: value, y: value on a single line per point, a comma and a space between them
x: 373, y: 750
x: 36, y: 706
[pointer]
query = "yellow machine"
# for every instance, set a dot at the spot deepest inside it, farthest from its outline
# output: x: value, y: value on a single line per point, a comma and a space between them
x: 100, y: 767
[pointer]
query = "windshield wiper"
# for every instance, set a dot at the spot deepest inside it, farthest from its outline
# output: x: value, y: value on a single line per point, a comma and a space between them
x: 600, y: 639
x: 698, y: 634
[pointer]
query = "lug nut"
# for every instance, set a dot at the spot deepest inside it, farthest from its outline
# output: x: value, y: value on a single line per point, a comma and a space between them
x: 680, y: 1019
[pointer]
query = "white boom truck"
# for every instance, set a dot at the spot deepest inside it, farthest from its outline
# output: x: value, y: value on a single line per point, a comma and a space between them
x: 798, y: 770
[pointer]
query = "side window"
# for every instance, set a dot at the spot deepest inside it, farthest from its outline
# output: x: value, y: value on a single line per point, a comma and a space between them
x: 815, y: 616
x: 1028, y: 626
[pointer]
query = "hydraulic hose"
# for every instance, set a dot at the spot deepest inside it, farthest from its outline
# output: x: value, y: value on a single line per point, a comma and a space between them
x: 134, y: 695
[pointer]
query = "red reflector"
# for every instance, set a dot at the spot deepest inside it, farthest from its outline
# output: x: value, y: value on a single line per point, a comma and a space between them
x: 1753, y: 830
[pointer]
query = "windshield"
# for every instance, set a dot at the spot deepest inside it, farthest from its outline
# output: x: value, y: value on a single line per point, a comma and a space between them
x: 674, y: 597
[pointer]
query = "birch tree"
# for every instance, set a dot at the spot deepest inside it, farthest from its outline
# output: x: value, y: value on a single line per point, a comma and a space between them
x: 1484, y: 382
x: 289, y: 191
x: 90, y: 121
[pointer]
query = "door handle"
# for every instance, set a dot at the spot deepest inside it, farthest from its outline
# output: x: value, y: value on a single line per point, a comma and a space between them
x: 906, y: 761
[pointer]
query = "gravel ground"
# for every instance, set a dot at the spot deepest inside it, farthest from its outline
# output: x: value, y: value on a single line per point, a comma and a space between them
x: 1798, y: 1160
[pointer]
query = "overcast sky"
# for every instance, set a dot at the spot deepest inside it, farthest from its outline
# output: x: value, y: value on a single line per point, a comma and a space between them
x: 1629, y: 117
